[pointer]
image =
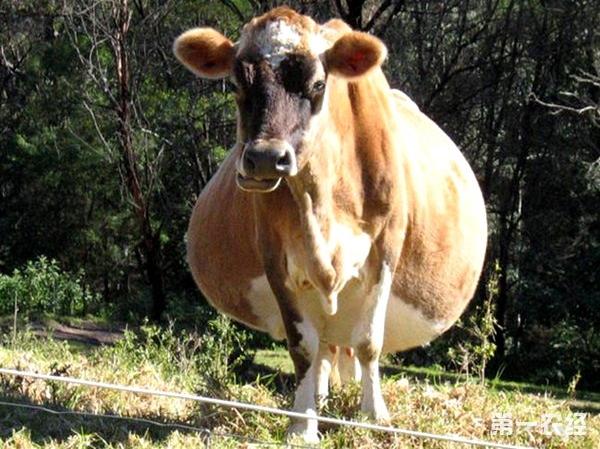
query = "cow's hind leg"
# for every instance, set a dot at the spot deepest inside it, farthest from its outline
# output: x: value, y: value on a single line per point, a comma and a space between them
x: 326, y: 361
x: 348, y: 366
x: 369, y: 342
x: 345, y: 367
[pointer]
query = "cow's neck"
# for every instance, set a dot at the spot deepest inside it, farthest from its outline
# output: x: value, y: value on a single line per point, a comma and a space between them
x: 313, y: 197
x: 314, y: 193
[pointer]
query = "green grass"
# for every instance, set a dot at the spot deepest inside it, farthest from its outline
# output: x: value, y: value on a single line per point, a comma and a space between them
x: 426, y: 400
x: 278, y: 359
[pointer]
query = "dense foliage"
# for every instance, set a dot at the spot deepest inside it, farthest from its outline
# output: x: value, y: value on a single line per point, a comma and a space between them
x: 41, y: 287
x: 105, y: 142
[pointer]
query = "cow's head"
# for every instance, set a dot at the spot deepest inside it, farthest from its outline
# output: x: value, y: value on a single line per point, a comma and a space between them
x: 281, y: 67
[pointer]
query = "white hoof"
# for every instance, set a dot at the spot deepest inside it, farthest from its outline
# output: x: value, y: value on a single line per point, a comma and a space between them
x: 302, y: 433
x: 379, y: 414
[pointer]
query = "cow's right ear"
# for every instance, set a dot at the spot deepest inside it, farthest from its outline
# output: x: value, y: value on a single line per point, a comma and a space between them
x: 355, y: 54
x: 206, y: 52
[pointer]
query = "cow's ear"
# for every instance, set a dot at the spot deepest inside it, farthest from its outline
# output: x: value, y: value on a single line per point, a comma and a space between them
x: 355, y: 54
x: 206, y: 52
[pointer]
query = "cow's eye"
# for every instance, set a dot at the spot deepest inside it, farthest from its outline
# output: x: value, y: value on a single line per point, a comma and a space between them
x: 318, y: 86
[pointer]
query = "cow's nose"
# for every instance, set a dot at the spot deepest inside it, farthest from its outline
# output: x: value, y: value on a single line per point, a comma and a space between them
x: 265, y: 162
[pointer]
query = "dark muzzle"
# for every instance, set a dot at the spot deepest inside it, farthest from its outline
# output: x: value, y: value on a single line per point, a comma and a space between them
x: 263, y: 163
x: 268, y: 161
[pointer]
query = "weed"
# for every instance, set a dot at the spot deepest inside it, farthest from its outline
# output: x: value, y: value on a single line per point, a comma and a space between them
x: 477, y: 351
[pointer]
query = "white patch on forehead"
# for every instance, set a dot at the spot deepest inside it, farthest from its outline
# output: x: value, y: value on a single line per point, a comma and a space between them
x: 276, y: 40
x: 318, y: 44
x: 279, y: 38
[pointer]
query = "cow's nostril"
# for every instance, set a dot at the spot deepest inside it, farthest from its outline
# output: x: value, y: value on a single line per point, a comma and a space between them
x: 250, y: 164
x: 285, y: 160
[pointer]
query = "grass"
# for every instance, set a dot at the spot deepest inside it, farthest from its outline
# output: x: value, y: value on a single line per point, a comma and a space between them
x: 163, y: 359
x: 585, y: 400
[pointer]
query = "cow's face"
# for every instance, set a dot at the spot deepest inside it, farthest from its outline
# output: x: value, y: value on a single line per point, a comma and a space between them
x: 280, y: 68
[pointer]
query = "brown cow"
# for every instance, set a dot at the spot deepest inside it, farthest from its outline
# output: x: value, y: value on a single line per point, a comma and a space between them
x: 343, y: 215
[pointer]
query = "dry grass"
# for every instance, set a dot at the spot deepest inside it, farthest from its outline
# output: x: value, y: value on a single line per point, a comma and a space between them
x: 195, y: 365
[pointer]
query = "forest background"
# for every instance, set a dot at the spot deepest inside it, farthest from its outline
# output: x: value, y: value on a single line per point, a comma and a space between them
x: 106, y: 142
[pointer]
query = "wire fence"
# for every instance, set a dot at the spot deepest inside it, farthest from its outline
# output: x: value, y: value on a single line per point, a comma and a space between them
x: 243, y: 406
x: 208, y: 435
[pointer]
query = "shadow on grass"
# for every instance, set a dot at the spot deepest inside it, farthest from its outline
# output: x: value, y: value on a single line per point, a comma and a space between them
x: 46, y: 422
x: 52, y: 420
x: 274, y: 379
x: 581, y: 401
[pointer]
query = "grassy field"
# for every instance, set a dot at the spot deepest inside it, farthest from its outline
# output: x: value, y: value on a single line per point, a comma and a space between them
x: 162, y: 359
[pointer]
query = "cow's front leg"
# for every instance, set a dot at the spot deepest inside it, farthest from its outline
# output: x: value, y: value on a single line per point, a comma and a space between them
x: 303, y: 344
x: 368, y: 338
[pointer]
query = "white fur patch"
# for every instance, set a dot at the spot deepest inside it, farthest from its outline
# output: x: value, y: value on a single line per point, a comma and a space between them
x: 310, y: 338
x: 407, y: 327
x: 318, y: 44
x: 264, y: 305
x: 404, y: 99
x: 372, y: 330
x: 372, y: 326
x: 277, y: 40
x: 355, y: 248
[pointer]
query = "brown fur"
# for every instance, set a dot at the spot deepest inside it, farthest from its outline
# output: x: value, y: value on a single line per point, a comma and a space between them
x: 205, y: 52
x: 231, y: 266
x: 283, y: 13
x: 338, y: 25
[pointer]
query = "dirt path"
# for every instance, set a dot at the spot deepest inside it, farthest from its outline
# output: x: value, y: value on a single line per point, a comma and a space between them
x: 88, y: 333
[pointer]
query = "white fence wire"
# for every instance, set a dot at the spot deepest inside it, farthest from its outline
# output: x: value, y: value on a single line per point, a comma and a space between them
x: 205, y: 433
x: 260, y: 408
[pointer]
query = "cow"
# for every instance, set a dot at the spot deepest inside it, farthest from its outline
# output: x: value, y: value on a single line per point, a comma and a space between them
x: 343, y: 217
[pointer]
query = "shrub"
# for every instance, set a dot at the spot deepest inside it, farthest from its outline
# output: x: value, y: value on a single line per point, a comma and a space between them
x: 207, y: 362
x: 41, y: 287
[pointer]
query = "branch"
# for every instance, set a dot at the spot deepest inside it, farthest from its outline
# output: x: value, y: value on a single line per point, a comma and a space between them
x: 233, y: 8
x: 97, y: 127
x: 340, y: 9
x: 383, y: 24
x: 558, y: 108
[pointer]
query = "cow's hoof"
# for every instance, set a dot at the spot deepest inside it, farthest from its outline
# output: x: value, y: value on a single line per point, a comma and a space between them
x: 298, y: 433
x: 380, y: 415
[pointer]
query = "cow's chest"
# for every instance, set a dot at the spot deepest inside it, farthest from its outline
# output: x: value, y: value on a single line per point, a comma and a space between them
x: 345, y: 248
x: 350, y: 250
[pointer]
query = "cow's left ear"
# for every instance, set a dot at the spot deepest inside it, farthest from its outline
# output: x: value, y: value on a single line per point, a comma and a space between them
x: 206, y: 52
x: 355, y: 54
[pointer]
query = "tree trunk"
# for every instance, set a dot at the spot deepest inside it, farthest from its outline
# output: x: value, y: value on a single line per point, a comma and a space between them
x: 150, y: 241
